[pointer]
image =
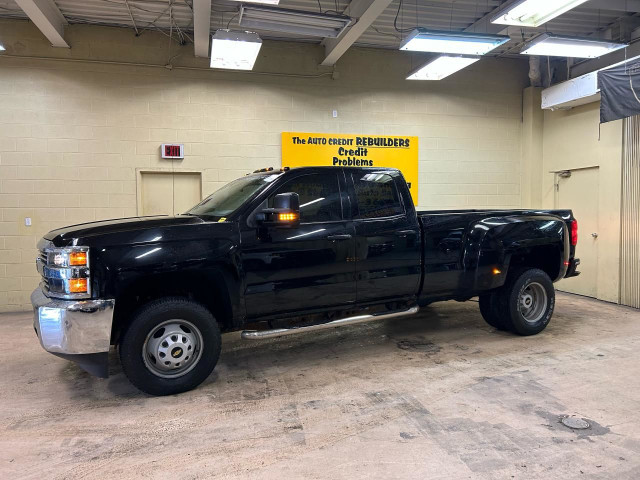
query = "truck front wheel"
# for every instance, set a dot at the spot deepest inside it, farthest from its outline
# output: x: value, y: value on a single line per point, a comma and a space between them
x: 170, y: 346
x: 526, y: 302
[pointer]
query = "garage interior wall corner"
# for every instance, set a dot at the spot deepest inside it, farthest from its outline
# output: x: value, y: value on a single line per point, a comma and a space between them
x: 75, y: 135
x: 573, y: 140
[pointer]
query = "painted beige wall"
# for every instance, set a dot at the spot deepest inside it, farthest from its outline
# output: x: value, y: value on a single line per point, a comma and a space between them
x: 72, y: 134
x: 570, y: 140
x: 532, y: 141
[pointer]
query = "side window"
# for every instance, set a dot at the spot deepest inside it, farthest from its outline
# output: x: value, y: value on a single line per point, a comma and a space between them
x: 319, y: 197
x: 377, y: 195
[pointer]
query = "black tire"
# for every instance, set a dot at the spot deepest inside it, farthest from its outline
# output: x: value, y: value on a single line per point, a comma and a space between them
x: 150, y: 317
x: 511, y: 301
x: 489, y: 310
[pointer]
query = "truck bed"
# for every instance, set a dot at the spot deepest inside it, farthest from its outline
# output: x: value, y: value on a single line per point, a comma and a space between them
x: 454, y: 252
x: 564, y: 214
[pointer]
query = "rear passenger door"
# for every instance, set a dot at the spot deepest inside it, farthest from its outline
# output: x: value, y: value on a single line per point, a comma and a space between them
x: 388, y: 249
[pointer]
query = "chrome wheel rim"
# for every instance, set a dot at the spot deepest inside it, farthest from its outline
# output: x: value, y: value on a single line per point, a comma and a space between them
x: 172, y: 348
x: 532, y: 302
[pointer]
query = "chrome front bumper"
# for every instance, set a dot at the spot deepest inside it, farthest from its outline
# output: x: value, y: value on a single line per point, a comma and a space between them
x: 78, y: 330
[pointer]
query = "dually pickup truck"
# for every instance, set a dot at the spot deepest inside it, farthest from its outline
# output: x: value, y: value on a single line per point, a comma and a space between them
x: 285, y: 251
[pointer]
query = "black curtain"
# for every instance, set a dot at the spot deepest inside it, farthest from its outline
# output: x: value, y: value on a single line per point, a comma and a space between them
x: 620, y: 90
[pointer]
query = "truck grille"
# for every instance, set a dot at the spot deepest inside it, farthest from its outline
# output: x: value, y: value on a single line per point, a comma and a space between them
x: 43, y: 259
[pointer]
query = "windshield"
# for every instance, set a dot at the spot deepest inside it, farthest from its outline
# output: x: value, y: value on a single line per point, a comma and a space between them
x: 229, y: 198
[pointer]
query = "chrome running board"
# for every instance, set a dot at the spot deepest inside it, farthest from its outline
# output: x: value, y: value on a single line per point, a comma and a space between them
x: 280, y: 332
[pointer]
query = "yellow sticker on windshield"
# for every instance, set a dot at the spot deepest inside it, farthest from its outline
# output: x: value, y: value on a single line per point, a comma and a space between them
x: 222, y: 219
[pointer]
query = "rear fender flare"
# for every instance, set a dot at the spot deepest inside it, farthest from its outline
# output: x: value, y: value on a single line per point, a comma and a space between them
x: 492, y: 243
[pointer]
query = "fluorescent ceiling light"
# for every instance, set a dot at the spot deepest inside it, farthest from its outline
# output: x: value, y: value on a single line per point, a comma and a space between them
x: 442, y: 66
x: 559, y: 46
x: 265, y: 2
x: 234, y: 50
x: 285, y: 20
x: 466, y: 43
x: 532, y: 13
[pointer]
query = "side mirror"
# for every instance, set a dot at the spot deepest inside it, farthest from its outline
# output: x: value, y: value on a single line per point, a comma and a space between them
x: 285, y: 211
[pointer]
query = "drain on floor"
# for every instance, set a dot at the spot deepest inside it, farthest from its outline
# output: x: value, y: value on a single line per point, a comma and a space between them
x: 574, y: 422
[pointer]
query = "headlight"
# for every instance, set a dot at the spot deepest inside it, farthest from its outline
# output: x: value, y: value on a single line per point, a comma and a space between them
x: 69, y: 256
x: 65, y: 272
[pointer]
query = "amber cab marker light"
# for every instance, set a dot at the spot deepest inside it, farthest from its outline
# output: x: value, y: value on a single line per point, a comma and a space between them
x: 496, y: 271
x: 287, y: 217
x: 78, y: 285
x: 77, y: 259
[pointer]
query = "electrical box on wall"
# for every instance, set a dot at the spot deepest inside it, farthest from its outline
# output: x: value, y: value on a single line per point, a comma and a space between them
x: 172, y: 150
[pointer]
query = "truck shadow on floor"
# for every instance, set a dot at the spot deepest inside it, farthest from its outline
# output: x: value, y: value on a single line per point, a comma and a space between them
x: 441, y: 334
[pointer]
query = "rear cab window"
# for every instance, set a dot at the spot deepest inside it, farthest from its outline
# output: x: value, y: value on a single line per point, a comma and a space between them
x: 377, y: 195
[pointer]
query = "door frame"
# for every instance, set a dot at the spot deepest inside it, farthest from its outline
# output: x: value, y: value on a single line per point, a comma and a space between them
x: 557, y: 176
x: 141, y: 170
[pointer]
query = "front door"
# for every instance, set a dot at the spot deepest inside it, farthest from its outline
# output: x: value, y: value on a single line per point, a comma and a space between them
x: 305, y: 267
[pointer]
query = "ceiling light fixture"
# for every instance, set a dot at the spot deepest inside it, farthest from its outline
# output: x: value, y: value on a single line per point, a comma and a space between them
x: 285, y: 20
x: 575, y: 47
x: 442, y: 66
x: 265, y: 2
x: 533, y: 13
x: 234, y: 50
x: 465, y: 43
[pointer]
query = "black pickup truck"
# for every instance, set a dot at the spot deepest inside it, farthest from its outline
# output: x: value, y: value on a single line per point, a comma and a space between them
x: 285, y: 251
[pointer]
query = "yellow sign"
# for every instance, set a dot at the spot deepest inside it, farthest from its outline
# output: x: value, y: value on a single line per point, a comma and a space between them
x: 338, y: 150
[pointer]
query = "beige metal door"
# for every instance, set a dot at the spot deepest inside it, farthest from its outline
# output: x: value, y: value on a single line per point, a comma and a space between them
x: 579, y: 192
x: 167, y: 193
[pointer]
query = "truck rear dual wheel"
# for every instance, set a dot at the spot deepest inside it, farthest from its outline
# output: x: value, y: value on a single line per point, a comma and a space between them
x: 171, y: 346
x: 524, y: 305
x: 489, y: 311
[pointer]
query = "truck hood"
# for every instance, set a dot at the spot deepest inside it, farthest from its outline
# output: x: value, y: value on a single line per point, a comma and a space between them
x: 88, y: 231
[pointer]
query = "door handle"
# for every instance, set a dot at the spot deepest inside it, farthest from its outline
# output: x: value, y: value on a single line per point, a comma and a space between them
x: 344, y: 236
x: 405, y: 233
x: 594, y: 235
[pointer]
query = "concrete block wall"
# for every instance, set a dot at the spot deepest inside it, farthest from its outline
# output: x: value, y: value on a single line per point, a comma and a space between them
x: 72, y: 133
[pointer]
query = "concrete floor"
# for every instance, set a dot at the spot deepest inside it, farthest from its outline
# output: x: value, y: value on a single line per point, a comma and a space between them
x: 437, y: 395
